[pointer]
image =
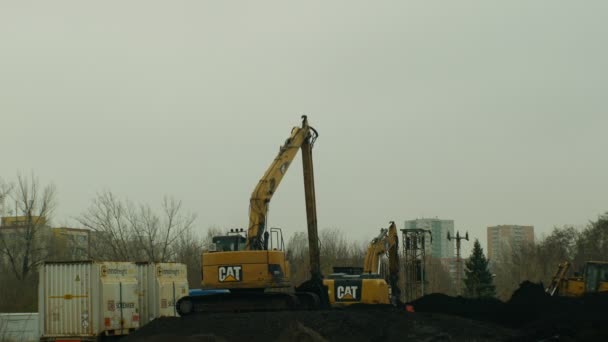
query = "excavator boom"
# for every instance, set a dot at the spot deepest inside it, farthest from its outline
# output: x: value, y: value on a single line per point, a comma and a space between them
x: 393, y: 264
x: 375, y: 250
x: 300, y: 138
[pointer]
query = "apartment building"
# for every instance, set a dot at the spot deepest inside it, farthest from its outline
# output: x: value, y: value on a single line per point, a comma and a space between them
x: 506, y: 238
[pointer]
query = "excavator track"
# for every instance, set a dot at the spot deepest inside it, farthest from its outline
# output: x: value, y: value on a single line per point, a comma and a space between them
x: 246, y: 302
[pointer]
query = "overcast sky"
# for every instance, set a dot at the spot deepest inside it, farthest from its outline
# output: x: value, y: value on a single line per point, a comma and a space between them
x: 483, y: 112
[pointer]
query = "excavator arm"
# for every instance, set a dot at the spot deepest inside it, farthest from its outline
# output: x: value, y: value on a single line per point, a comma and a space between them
x: 386, y: 242
x: 300, y: 138
x: 393, y: 264
x: 375, y: 250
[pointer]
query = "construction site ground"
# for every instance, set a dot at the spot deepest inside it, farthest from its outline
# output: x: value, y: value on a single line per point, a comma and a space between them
x: 530, y: 315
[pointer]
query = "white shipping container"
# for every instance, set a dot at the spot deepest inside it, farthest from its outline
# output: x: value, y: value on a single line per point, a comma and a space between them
x: 161, y: 285
x: 87, y: 299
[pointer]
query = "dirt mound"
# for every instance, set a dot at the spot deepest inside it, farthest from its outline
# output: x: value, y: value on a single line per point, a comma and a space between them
x: 192, y: 338
x: 535, y: 314
x: 578, y: 319
x: 485, y: 309
x: 529, y: 315
x: 297, y: 332
x: 529, y: 292
x: 332, y: 325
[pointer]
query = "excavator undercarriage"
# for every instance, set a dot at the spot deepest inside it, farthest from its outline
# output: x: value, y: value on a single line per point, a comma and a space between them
x: 237, y: 301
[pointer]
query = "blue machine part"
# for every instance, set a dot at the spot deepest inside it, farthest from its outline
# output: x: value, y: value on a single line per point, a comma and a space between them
x: 200, y: 292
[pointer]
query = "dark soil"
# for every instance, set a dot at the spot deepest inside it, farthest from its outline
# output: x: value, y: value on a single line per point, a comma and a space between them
x: 535, y: 315
x: 360, y: 324
x: 530, y: 315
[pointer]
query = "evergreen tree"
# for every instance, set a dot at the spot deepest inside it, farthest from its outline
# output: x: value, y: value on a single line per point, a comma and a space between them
x: 478, y: 280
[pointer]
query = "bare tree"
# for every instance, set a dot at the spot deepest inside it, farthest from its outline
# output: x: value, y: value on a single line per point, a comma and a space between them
x: 592, y: 243
x: 23, y: 242
x: 187, y: 250
x: 5, y: 190
x: 335, y: 250
x: 208, y: 238
x: 356, y: 253
x: 157, y: 234
x: 112, y: 236
x: 122, y: 230
x: 439, y: 278
x: 297, y: 255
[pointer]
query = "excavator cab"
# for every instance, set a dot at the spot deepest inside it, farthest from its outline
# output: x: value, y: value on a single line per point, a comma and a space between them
x: 234, y: 241
x: 275, y: 240
x: 228, y: 243
x: 596, y: 276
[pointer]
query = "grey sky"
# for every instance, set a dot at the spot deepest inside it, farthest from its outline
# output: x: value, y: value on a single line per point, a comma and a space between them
x: 483, y: 112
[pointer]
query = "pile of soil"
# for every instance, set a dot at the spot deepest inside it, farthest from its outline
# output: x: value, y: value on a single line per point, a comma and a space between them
x: 534, y: 314
x: 528, y: 303
x: 564, y: 319
x: 530, y: 315
x: 353, y: 324
x: 486, y: 309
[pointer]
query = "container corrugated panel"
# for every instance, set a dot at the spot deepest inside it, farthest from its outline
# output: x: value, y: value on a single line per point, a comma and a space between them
x: 66, y: 305
x: 165, y: 284
x: 85, y: 299
x: 143, y: 285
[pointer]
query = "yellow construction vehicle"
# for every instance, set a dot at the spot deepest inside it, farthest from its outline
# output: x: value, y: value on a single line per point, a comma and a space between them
x: 372, y: 283
x: 251, y: 267
x: 594, y: 279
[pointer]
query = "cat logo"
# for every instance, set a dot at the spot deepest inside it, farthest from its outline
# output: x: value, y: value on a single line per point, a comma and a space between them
x: 230, y: 273
x: 347, y: 291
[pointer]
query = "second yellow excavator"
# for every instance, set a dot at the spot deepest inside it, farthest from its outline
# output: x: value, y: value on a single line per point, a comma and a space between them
x: 248, y: 271
x: 371, y: 284
x: 594, y: 279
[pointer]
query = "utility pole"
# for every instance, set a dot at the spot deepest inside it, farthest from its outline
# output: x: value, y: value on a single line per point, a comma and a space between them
x: 458, y: 260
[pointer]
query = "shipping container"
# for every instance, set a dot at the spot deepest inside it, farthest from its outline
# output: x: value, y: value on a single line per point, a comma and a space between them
x: 161, y: 285
x: 87, y: 300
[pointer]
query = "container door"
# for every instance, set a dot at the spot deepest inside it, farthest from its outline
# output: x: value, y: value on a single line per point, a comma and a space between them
x: 66, y: 302
x: 119, y: 298
x: 171, y: 285
x: 170, y: 292
x: 130, y: 307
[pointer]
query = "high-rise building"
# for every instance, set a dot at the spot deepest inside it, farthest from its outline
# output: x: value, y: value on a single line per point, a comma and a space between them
x: 440, y: 247
x: 507, y: 238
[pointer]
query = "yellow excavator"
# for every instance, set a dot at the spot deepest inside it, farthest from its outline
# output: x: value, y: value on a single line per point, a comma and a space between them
x: 370, y: 284
x: 249, y: 271
x: 594, y: 279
